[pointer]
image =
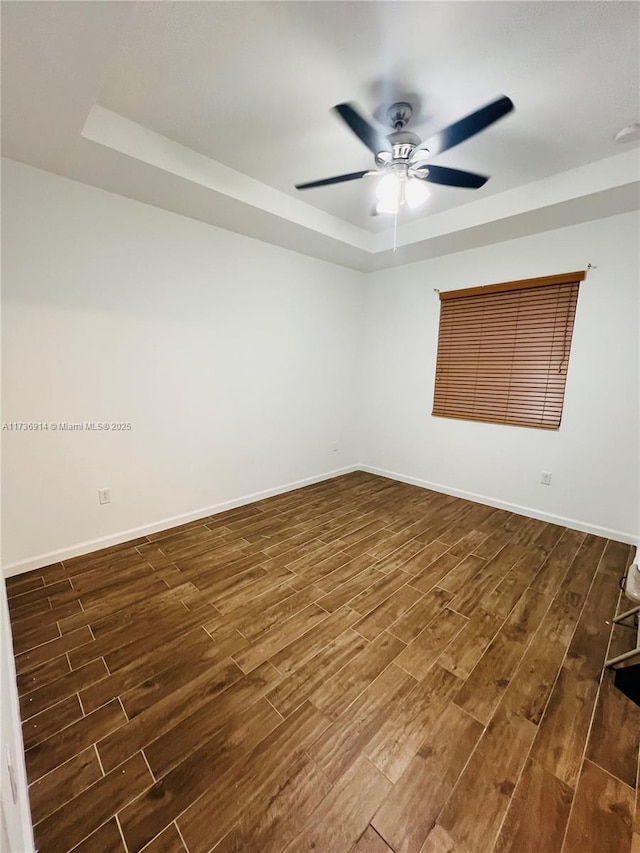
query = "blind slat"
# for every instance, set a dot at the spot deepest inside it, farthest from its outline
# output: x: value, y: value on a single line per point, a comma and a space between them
x: 503, y: 351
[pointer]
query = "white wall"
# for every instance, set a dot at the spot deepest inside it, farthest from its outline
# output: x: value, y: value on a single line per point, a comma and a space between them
x: 234, y: 361
x: 239, y: 365
x: 15, y: 817
x: 594, y: 455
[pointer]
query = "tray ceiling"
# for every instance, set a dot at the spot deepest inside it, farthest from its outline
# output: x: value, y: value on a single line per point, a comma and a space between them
x: 215, y: 109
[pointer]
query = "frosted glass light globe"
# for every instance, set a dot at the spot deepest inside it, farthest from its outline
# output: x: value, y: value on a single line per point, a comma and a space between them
x: 416, y: 193
x: 388, y: 189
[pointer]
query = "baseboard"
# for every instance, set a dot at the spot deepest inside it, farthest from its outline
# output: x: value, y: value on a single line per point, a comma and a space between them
x: 28, y: 565
x: 574, y: 523
x: 41, y: 560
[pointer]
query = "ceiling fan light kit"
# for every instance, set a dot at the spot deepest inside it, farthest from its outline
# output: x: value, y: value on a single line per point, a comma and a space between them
x: 401, y: 156
x: 395, y: 188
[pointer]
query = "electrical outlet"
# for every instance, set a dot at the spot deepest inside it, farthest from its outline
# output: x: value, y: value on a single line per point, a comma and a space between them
x: 545, y: 478
x: 104, y: 496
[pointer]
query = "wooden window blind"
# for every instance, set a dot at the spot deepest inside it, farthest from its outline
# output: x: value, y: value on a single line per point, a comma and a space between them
x: 503, y: 351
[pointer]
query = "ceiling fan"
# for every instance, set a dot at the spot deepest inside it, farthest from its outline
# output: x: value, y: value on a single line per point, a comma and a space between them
x: 403, y: 159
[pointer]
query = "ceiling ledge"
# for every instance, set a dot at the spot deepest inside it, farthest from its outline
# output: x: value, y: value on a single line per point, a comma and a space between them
x: 597, y: 205
x: 127, y: 137
x: 197, y: 186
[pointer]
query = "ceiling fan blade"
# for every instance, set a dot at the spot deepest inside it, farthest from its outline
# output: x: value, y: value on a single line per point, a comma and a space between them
x: 363, y: 130
x: 467, y: 127
x: 450, y: 177
x: 339, y: 179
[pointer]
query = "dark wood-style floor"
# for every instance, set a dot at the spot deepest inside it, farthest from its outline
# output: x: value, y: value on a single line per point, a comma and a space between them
x: 359, y: 665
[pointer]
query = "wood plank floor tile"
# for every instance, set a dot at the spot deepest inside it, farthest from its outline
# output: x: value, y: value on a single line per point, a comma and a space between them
x: 602, y: 814
x: 409, y: 812
x: 64, y: 783
x: 43, y: 674
x: 413, y: 557
x: 371, y: 842
x: 394, y: 542
x: 467, y: 647
x: 588, y: 647
x: 106, y: 839
x: 344, y: 814
x: 439, y: 841
x: 468, y: 543
x: 41, y: 726
x: 205, y: 673
x: 286, y: 814
x: 42, y: 654
x: 378, y: 592
x: 63, y: 687
x: 426, y: 579
x: 73, y: 739
x: 537, y: 817
x: 279, y: 613
x: 419, y: 656
x: 104, y: 556
x: 564, y: 727
x: 483, y: 689
x: 530, y: 686
x: 115, y: 616
x: 168, y: 841
x: 615, y: 554
x: 304, y: 681
x: 497, y: 539
x: 356, y: 666
x: 416, y: 619
x: 19, y: 583
x: 386, y: 613
x: 463, y: 574
x: 553, y: 570
x: 28, y: 610
x: 509, y: 591
x: 489, y: 778
x: 402, y: 734
x: 253, y: 781
x: 279, y: 637
x: 150, y: 813
x: 87, y: 811
x: 345, y: 739
x: 120, y: 647
x: 161, y: 717
x: 24, y: 640
x: 170, y: 748
x: 44, y: 617
x: 147, y: 666
x: 335, y: 696
x: 298, y: 652
x: 473, y: 594
x: 356, y: 581
x: 52, y: 591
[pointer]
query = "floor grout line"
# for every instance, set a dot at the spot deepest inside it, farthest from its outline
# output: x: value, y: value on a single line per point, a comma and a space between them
x: 119, y: 825
x: 181, y: 836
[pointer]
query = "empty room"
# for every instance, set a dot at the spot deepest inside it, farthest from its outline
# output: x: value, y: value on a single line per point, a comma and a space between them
x: 320, y: 427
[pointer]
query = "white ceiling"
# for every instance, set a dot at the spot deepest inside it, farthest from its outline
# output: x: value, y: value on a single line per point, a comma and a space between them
x: 216, y: 109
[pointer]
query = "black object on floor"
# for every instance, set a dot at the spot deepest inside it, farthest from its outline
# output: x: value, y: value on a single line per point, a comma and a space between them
x: 627, y: 680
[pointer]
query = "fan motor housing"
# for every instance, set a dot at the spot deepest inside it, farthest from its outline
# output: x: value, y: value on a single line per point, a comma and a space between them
x: 403, y: 144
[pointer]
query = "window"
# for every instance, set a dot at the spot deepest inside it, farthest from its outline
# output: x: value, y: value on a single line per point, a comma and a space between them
x: 503, y: 351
